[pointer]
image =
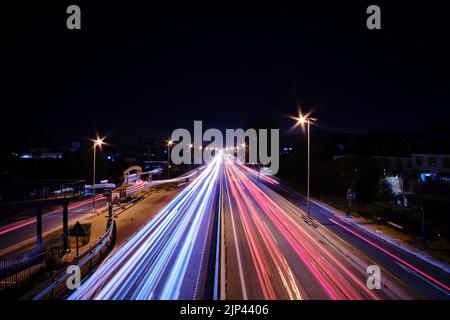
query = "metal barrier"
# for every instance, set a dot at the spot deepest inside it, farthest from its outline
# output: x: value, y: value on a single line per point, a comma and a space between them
x: 90, y: 259
x: 86, y: 262
x: 23, y: 270
x: 14, y: 269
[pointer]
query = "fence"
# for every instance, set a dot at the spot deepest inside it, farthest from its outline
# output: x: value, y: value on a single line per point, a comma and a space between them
x: 86, y: 262
x: 20, y: 271
x: 14, y: 269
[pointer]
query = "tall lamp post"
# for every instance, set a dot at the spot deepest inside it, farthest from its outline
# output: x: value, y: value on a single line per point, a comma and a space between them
x: 191, y: 155
x: 169, y: 144
x: 302, y: 120
x: 97, y: 142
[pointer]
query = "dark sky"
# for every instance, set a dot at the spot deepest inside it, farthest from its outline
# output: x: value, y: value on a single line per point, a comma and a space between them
x: 136, y: 70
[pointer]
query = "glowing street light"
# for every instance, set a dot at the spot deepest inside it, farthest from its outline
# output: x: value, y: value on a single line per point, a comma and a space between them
x: 169, y: 144
x: 301, y: 121
x: 97, y: 142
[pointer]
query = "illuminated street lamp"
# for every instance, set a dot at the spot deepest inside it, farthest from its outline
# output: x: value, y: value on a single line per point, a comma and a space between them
x: 169, y: 144
x: 301, y: 121
x: 97, y: 142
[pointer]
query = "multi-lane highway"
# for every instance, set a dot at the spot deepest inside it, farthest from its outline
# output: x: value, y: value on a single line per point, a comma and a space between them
x: 336, y: 251
x: 172, y: 256
x: 272, y: 253
x: 269, y: 249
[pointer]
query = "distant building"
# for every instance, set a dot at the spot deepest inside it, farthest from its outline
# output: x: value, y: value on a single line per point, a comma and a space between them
x: 42, y: 153
x: 396, y: 164
x: 431, y: 166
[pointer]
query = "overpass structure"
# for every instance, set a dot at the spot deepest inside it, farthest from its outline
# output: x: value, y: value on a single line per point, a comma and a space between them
x: 44, y: 194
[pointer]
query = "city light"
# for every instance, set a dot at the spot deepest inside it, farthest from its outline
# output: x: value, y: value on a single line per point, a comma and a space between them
x: 99, y: 142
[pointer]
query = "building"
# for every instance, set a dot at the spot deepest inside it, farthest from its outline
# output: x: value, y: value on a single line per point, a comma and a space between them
x: 431, y: 166
x: 396, y: 164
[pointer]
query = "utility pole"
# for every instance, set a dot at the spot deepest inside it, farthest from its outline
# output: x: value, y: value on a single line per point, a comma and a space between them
x: 168, y: 159
x: 98, y: 142
x: 93, y: 181
x: 309, y: 165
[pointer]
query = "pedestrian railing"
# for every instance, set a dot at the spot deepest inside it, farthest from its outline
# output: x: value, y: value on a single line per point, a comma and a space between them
x: 29, y: 263
x: 16, y: 268
x: 17, y: 272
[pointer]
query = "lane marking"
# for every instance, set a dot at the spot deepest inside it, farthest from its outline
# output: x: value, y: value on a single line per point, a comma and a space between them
x: 238, y: 253
x: 394, y: 256
x: 270, y: 232
x: 222, y: 243
x: 419, y: 276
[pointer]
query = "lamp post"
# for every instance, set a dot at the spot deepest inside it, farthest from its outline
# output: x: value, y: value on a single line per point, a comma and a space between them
x: 97, y: 142
x: 191, y: 155
x: 169, y: 144
x: 302, y: 120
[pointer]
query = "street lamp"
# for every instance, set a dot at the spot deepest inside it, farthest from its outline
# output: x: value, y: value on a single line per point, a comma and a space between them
x: 97, y: 142
x: 191, y: 156
x: 302, y: 120
x: 169, y: 144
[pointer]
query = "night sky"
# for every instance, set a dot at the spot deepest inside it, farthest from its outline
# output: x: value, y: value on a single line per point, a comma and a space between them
x: 135, y: 70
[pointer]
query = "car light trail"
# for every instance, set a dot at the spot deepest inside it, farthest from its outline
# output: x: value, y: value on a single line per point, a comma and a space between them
x: 260, y: 176
x: 33, y: 220
x: 394, y: 256
x: 256, y: 208
x: 158, y: 262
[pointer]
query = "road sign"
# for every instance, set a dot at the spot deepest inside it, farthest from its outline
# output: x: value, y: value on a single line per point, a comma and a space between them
x: 351, y: 195
x: 79, y: 232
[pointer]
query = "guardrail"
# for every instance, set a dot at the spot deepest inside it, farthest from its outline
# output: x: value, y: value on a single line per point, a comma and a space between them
x: 86, y: 262
x: 90, y: 259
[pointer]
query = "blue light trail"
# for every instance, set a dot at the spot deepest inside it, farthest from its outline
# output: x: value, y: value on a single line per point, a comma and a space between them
x: 166, y: 257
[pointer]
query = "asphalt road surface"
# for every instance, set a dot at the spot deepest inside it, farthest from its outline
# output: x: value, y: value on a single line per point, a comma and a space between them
x: 326, y: 257
x: 271, y: 249
x: 18, y: 234
x: 171, y: 256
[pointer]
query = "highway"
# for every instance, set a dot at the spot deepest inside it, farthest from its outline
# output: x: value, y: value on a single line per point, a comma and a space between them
x: 332, y: 252
x: 271, y: 250
x: 272, y: 253
x: 170, y: 257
